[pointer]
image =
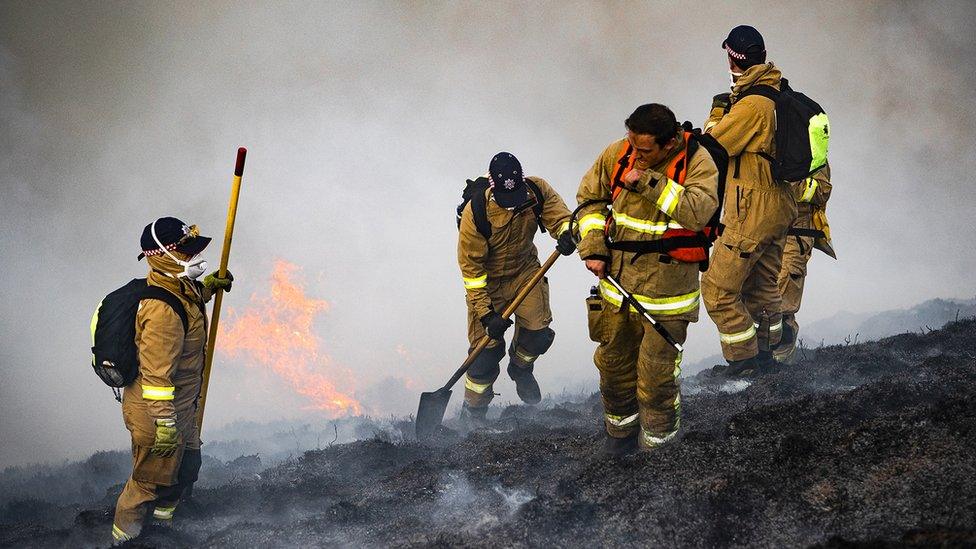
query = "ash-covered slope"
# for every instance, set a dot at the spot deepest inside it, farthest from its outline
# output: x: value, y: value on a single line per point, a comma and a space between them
x: 872, y: 443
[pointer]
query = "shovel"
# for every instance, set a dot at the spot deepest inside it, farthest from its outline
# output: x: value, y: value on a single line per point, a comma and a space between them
x: 434, y: 404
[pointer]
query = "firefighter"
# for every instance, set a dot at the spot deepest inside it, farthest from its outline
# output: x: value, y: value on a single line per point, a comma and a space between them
x: 810, y: 231
x: 497, y: 257
x: 740, y: 287
x: 663, y: 188
x: 159, y: 407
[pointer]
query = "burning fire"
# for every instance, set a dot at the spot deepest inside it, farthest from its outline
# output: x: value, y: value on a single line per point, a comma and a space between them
x: 276, y: 332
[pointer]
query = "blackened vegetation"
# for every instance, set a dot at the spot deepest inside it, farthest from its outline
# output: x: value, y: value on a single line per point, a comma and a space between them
x: 871, y: 444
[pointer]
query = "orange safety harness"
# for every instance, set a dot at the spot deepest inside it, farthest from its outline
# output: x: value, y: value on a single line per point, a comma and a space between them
x: 681, y: 244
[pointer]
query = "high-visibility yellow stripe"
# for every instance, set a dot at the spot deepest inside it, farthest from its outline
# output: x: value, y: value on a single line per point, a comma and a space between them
x: 591, y: 222
x: 479, y: 388
x: 150, y: 392
x: 653, y: 440
x: 164, y: 513
x: 776, y: 327
x: 475, y: 283
x: 810, y: 189
x: 670, y: 196
x: 120, y: 534
x: 524, y: 357
x: 677, y: 365
x: 640, y: 225
x: 738, y: 337
x: 563, y: 227
x: 661, y: 305
x: 622, y: 421
x: 94, y: 323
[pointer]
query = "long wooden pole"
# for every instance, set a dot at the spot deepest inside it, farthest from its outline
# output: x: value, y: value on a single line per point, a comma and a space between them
x: 235, y: 193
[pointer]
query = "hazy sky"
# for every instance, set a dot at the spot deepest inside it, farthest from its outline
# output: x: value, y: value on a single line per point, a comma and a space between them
x: 363, y: 119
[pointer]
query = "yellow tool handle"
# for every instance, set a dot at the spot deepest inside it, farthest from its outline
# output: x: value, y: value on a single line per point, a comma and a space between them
x: 235, y: 193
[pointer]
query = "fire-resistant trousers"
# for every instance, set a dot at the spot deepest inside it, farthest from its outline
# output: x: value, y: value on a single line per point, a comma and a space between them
x: 532, y: 335
x: 796, y: 254
x: 156, y: 483
x: 740, y: 287
x: 638, y: 373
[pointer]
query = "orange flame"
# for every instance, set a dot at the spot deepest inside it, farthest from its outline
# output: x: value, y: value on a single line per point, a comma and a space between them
x: 276, y: 332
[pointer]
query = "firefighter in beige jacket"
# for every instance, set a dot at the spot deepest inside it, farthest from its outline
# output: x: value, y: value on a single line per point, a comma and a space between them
x: 809, y: 231
x: 740, y: 287
x: 497, y: 257
x: 663, y: 188
x: 159, y: 407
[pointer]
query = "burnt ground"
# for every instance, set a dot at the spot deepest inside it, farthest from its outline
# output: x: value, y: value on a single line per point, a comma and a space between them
x: 860, y: 445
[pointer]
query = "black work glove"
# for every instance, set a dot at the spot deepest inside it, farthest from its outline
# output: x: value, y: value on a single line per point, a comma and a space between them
x: 722, y: 101
x: 495, y: 325
x: 566, y: 244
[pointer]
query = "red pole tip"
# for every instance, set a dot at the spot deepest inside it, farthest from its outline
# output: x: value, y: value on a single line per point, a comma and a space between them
x: 239, y: 167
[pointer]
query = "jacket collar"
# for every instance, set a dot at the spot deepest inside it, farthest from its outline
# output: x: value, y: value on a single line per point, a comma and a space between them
x: 663, y: 165
x: 765, y: 74
x: 162, y: 273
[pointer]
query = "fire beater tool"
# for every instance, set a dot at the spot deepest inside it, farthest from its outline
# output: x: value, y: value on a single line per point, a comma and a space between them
x: 629, y: 298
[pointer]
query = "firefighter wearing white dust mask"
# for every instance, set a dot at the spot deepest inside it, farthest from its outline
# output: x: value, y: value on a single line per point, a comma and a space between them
x: 159, y: 407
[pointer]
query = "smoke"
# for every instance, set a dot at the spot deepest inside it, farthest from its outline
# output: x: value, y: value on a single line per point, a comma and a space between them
x: 474, y: 509
x: 363, y: 120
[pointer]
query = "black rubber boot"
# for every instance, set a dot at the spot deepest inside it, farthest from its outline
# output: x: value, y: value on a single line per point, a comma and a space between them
x: 743, y: 368
x: 783, y: 353
x: 473, y: 418
x: 525, y: 384
x: 617, y: 447
x: 758, y: 365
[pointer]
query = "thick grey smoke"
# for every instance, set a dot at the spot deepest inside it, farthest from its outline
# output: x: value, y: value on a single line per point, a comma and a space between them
x: 363, y: 120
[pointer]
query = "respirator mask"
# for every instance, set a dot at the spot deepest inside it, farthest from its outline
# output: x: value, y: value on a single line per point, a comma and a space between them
x: 192, y: 268
x: 733, y: 76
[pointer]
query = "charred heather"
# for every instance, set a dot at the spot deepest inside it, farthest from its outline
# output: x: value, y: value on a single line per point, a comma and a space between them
x: 869, y: 445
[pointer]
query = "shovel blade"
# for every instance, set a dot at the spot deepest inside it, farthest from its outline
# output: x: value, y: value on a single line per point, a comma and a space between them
x: 430, y: 413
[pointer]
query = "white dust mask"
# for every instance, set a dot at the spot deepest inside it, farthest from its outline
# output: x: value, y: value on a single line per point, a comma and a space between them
x: 192, y: 269
x: 733, y: 76
x: 195, y: 267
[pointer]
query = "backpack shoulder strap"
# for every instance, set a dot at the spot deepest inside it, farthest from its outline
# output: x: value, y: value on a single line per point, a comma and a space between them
x: 155, y: 292
x: 479, y: 209
x: 624, y: 163
x: 768, y: 92
x: 539, y: 203
x: 693, y: 146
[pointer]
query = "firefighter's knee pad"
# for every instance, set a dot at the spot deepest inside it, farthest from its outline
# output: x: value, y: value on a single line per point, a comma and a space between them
x: 485, y: 367
x: 529, y: 344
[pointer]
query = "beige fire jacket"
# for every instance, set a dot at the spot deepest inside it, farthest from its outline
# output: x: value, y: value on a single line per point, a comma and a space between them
x: 510, y: 251
x: 666, y: 288
x: 170, y: 362
x: 748, y: 129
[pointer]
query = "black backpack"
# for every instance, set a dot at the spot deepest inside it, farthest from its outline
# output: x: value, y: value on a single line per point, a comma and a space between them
x: 474, y: 192
x: 802, y: 132
x: 721, y: 158
x: 113, y: 327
